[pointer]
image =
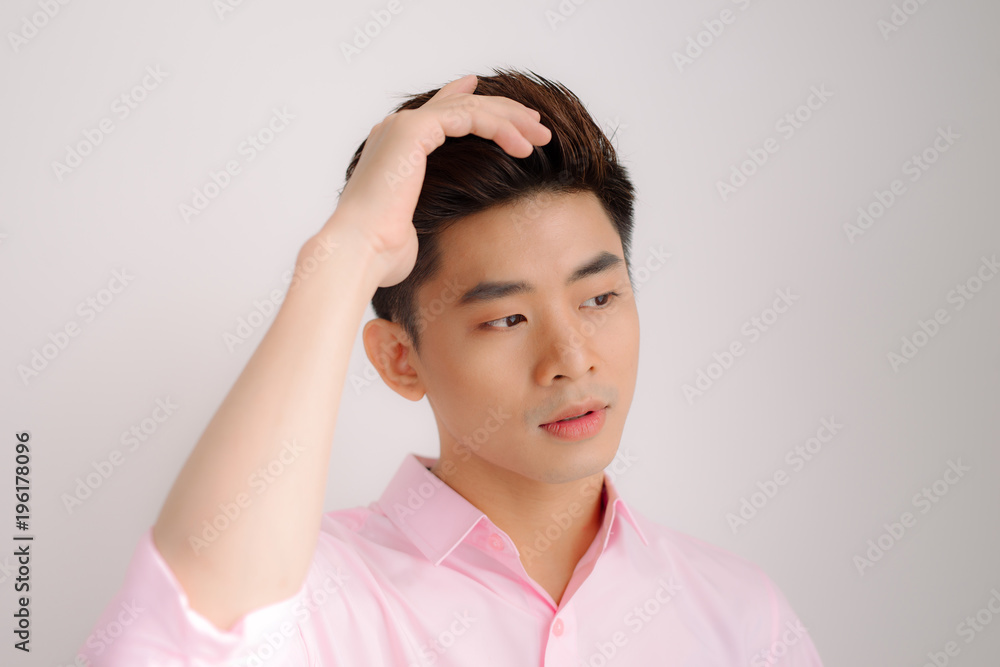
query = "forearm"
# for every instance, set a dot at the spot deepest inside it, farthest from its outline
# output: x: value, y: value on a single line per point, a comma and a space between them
x: 264, y: 455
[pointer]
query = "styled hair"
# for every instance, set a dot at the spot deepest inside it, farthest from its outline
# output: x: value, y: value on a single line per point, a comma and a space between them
x: 469, y: 174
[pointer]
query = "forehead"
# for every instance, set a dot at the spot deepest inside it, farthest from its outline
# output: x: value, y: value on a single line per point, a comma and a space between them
x: 543, y: 237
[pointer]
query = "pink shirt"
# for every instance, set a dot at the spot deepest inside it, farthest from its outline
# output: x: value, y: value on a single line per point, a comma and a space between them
x: 422, y: 577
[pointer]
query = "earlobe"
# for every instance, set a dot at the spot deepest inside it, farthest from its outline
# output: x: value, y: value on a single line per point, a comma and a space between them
x: 388, y: 349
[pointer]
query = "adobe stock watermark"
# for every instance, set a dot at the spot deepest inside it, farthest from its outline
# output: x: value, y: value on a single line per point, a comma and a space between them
x: 230, y: 512
x: 265, y: 307
x: 797, y: 457
x: 426, y: 313
x: 924, y: 500
x: 249, y: 149
x: 101, y: 639
x: 774, y: 654
x: 302, y: 610
x: 121, y: 108
x: 562, y: 12
x: 406, y: 165
x: 960, y: 295
x: 530, y: 208
x: 641, y: 615
x: 752, y: 330
x: 131, y: 439
x: 262, y: 312
x: 563, y: 521
x: 430, y: 651
x: 898, y: 17
x: 88, y: 310
x: 469, y: 444
x: 32, y: 24
x: 369, y: 374
x: 366, y: 34
x: 655, y: 260
x: 225, y: 7
x: 915, y: 167
x: 312, y: 256
x: 636, y: 619
x: 417, y: 497
x: 7, y: 568
x: 786, y: 126
x: 526, y: 211
x: 364, y: 379
x: 968, y: 630
x: 590, y: 327
x: 433, y: 309
x: 704, y: 39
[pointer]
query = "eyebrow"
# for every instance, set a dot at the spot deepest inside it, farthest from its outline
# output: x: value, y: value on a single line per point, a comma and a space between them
x: 487, y: 291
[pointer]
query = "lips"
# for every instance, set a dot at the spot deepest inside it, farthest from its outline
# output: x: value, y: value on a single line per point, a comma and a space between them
x: 576, y: 409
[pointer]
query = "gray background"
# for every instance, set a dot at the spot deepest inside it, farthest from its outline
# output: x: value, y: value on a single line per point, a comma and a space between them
x: 680, y: 130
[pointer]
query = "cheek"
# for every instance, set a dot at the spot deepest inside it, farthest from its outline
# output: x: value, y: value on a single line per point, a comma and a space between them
x: 619, y: 344
x: 472, y: 378
x: 619, y: 332
x: 480, y: 358
x: 485, y: 395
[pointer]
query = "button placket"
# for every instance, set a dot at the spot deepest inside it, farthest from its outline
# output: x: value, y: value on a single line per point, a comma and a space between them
x: 562, y: 646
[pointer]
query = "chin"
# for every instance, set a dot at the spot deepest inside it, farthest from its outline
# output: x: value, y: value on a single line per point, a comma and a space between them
x: 576, y: 465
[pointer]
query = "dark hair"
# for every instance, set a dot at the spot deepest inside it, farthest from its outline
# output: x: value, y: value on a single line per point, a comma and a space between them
x: 469, y: 174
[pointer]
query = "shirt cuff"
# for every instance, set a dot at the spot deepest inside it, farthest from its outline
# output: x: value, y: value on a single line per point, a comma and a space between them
x: 150, y: 622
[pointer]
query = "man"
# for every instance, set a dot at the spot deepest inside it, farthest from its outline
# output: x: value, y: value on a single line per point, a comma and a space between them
x: 515, y: 316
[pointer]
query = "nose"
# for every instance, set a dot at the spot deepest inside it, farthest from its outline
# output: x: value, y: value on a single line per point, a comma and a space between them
x: 565, y: 350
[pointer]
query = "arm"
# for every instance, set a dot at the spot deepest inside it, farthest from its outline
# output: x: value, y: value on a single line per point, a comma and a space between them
x: 291, y: 388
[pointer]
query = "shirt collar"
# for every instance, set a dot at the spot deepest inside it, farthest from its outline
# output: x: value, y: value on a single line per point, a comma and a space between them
x: 436, y: 518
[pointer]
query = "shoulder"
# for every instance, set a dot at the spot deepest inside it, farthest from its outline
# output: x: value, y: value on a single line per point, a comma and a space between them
x: 361, y: 527
x: 361, y: 541
x: 710, y: 573
x: 700, y: 555
x: 733, y: 594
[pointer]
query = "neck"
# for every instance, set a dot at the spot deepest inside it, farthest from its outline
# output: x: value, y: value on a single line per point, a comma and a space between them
x: 552, y: 525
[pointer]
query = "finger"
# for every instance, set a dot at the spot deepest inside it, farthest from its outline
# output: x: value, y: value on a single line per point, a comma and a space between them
x: 533, y: 130
x: 525, y: 119
x: 464, y: 84
x: 457, y: 106
x: 503, y: 132
x: 506, y: 121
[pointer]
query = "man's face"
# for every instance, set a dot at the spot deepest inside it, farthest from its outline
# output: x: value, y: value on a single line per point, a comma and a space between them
x: 495, y: 369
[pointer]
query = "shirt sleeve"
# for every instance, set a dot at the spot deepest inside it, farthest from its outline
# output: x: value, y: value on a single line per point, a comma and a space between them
x: 150, y: 622
x: 781, y: 638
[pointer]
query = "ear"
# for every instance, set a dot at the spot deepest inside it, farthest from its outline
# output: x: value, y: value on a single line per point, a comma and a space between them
x: 389, y: 348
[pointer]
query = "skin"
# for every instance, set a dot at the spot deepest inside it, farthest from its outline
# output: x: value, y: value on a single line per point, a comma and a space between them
x: 566, y: 343
x: 290, y: 390
x: 559, y: 345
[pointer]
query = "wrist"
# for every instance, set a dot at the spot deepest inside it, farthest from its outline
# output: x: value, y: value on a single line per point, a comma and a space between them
x: 340, y: 248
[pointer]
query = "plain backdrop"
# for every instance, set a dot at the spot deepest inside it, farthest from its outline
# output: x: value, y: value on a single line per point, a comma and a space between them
x: 856, y: 145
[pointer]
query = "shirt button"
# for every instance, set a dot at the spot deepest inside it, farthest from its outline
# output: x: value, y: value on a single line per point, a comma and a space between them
x: 557, y: 627
x: 496, y: 542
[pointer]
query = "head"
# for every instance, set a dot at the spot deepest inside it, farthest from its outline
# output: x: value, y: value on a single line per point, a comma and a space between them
x: 495, y: 368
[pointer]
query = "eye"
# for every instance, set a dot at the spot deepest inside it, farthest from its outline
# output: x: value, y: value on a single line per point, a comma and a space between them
x: 607, y: 298
x: 489, y: 325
